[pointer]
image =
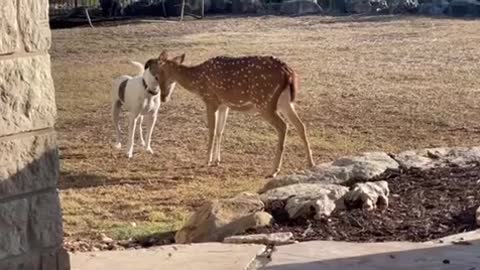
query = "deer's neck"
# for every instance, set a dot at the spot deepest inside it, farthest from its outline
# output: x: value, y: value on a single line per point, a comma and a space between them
x: 187, y: 77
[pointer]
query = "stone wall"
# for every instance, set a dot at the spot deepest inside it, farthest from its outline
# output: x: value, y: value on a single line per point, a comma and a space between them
x: 31, y: 231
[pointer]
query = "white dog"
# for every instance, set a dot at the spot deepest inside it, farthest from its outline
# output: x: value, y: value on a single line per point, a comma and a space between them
x: 139, y: 96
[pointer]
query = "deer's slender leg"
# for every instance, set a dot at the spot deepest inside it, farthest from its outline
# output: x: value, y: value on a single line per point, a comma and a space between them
x: 288, y: 110
x: 212, y: 116
x: 280, y: 126
x: 222, y: 120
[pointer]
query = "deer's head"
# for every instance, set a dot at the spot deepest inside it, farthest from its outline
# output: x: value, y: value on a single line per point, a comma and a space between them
x: 159, y: 67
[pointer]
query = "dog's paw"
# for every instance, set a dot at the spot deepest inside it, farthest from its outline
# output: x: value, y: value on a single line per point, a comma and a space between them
x: 118, y: 146
x: 142, y: 142
x: 130, y: 155
x: 149, y: 150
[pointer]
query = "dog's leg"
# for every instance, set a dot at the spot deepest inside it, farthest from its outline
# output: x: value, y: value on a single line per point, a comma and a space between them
x: 116, y: 112
x: 151, y: 119
x: 131, y: 133
x: 140, y: 131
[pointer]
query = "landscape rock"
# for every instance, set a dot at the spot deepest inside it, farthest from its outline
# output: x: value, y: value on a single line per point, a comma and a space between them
x: 300, y: 7
x: 286, y: 180
x: 218, y: 219
x: 105, y: 239
x: 277, y: 239
x: 435, y: 8
x: 363, y: 167
x: 379, y: 6
x: 438, y: 157
x: 358, y: 6
x: 369, y: 194
x: 301, y: 199
x: 262, y: 219
x: 246, y: 6
x: 461, y: 8
x: 403, y: 6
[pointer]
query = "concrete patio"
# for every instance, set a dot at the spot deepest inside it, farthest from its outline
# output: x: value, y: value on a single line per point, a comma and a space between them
x: 458, y: 252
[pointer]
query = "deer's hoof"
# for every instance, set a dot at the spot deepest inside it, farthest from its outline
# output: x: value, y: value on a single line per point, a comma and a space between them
x: 273, y: 175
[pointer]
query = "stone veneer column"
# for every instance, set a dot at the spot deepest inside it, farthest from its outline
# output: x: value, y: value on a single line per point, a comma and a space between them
x: 31, y: 231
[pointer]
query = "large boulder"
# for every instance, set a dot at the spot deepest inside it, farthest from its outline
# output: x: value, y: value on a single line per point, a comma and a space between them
x: 302, y: 199
x: 342, y: 171
x: 358, y: 6
x: 438, y: 157
x: 221, y: 6
x: 246, y: 6
x: 403, y: 6
x: 461, y: 8
x: 435, y: 8
x: 368, y: 195
x: 300, y: 7
x: 218, y: 219
x: 110, y: 8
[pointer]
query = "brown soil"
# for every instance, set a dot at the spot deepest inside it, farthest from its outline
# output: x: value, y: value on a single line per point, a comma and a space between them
x: 424, y: 205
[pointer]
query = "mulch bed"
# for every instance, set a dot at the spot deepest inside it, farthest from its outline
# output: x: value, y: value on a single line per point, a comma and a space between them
x: 424, y: 205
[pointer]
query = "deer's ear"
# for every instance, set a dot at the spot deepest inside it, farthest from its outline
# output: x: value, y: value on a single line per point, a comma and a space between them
x: 179, y: 59
x: 163, y: 55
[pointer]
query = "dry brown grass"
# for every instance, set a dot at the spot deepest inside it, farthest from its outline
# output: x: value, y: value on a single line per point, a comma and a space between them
x: 389, y: 83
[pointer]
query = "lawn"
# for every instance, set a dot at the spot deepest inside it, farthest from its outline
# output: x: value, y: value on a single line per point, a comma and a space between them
x: 366, y: 83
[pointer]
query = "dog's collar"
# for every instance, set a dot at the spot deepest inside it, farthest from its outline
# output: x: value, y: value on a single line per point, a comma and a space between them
x: 153, y: 93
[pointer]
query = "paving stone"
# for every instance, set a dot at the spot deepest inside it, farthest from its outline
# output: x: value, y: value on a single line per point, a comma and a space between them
x: 329, y: 255
x: 211, y: 256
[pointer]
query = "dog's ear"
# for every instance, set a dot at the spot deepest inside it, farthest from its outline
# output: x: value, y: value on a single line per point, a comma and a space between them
x: 149, y: 63
x: 163, y: 55
x: 179, y: 59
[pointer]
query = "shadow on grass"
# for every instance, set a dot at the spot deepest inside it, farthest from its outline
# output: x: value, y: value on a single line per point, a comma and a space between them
x: 72, y: 180
x: 155, y: 239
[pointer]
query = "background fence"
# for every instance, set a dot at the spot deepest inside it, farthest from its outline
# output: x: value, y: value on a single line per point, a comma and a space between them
x: 62, y: 7
x: 130, y: 7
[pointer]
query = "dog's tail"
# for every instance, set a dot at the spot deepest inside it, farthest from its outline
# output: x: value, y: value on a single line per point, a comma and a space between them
x: 138, y: 65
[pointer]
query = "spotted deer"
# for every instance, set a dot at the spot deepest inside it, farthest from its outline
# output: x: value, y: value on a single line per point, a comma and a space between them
x: 263, y: 84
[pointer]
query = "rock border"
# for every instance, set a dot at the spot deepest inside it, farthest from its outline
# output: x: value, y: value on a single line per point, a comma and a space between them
x: 328, y: 178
